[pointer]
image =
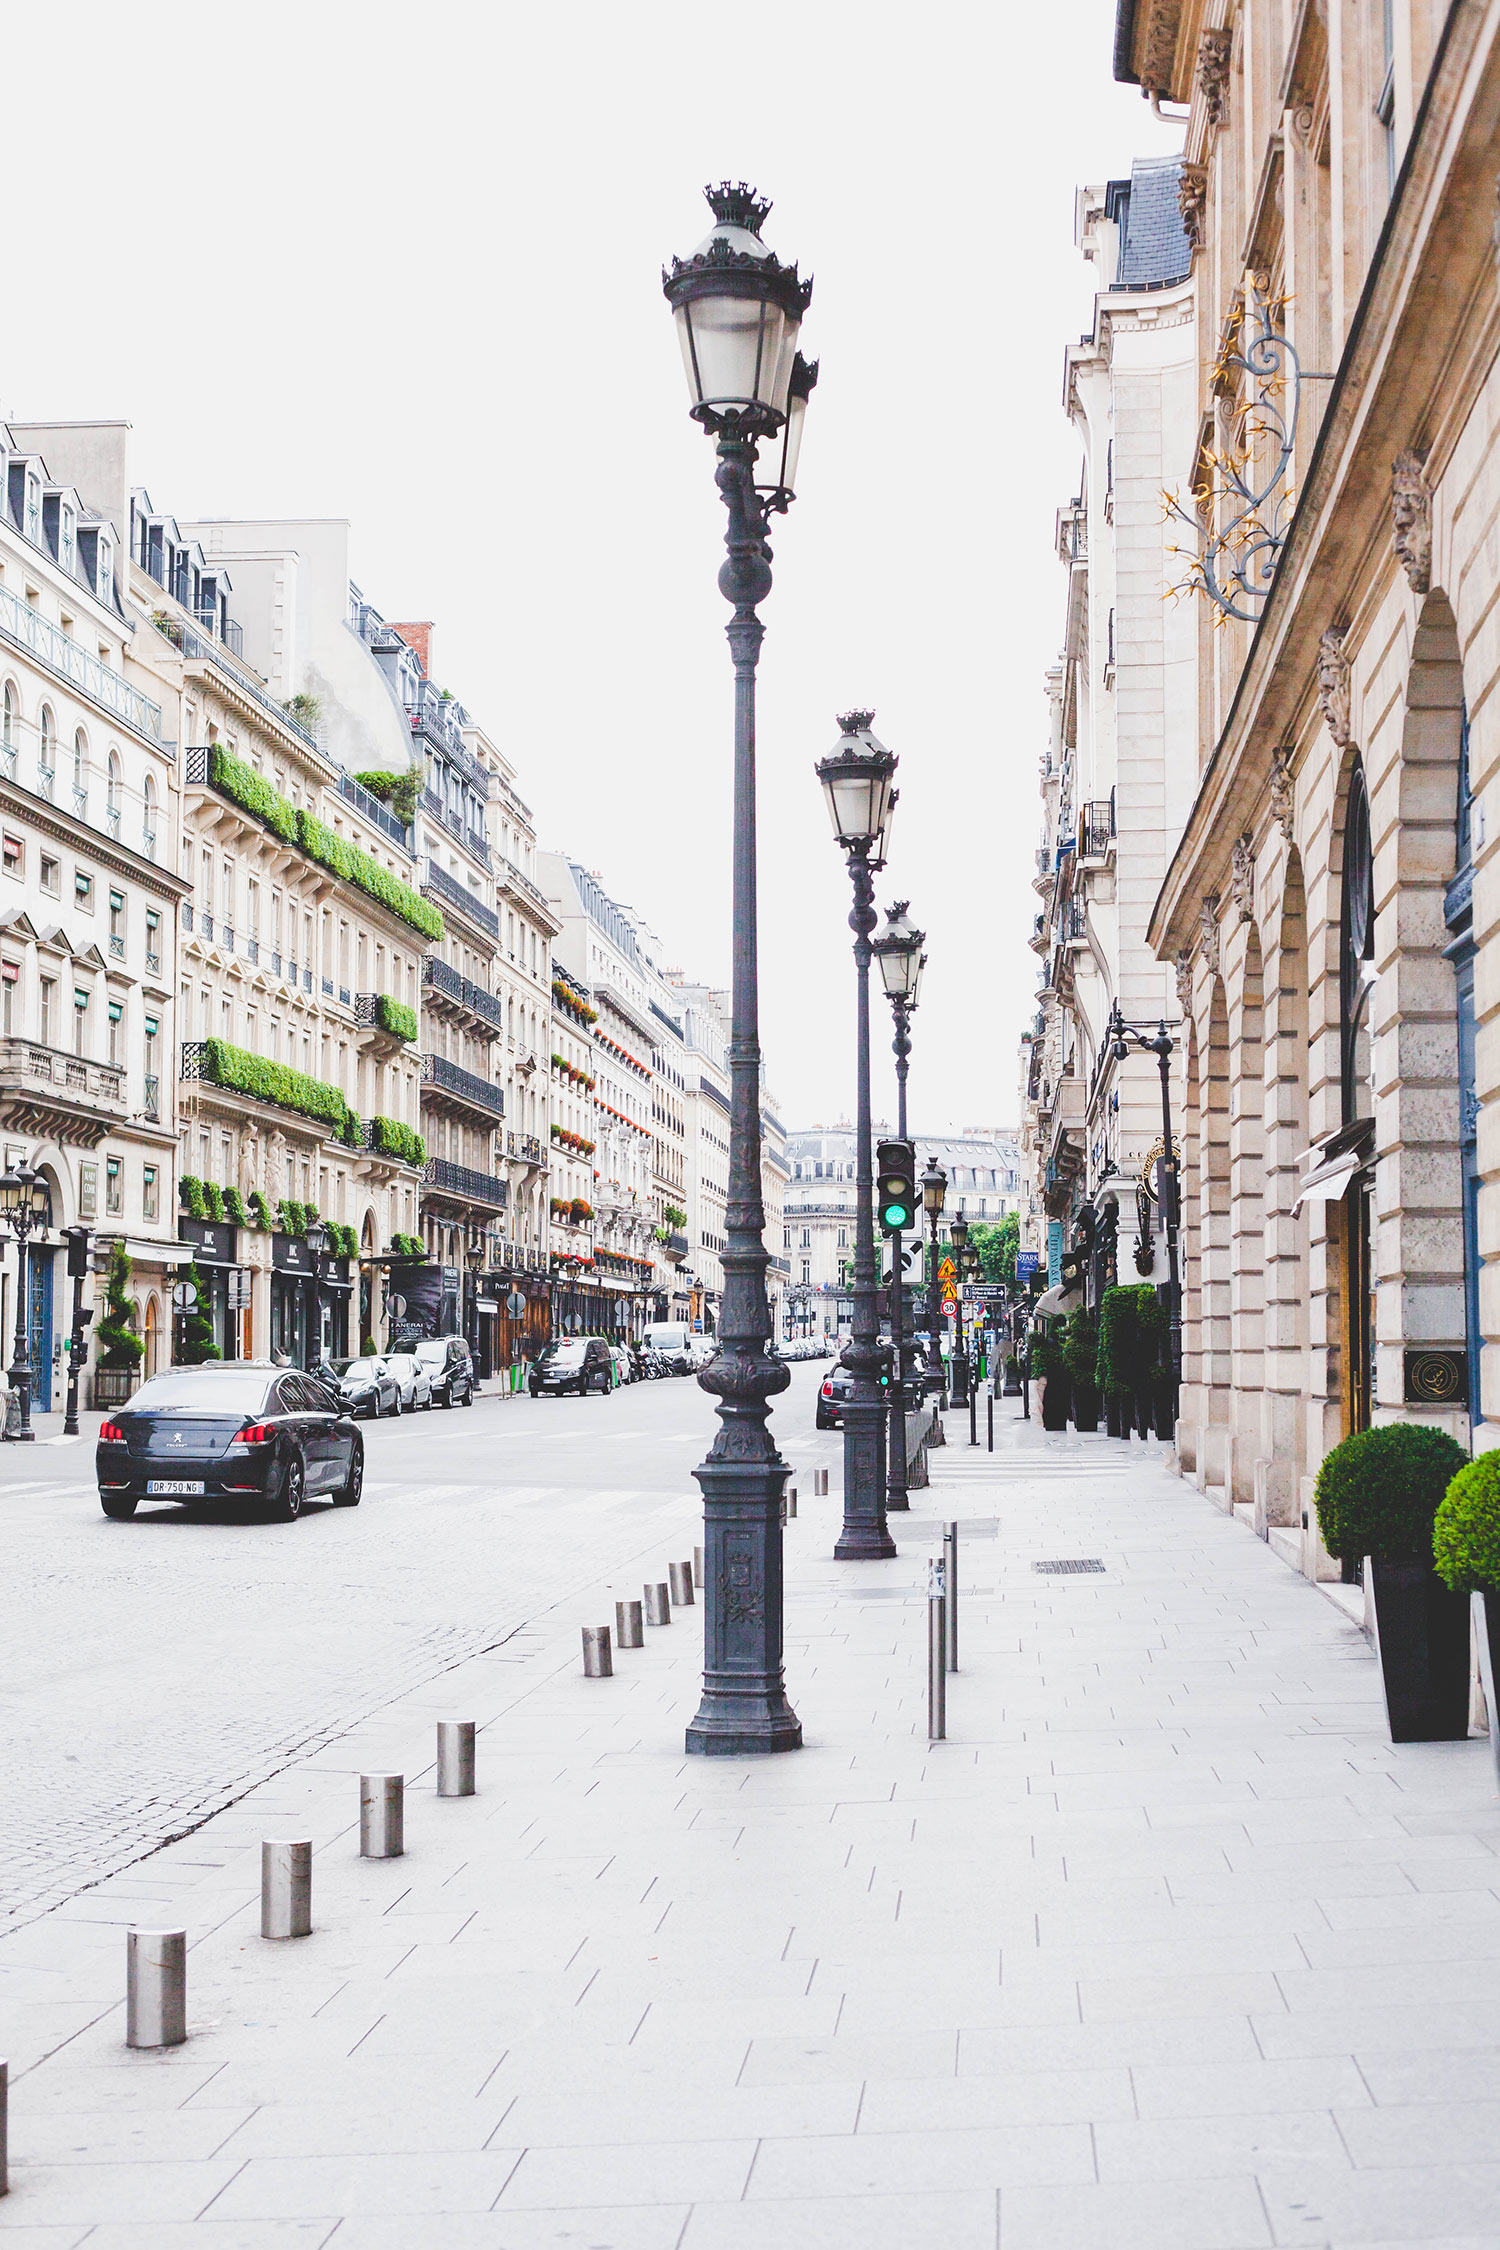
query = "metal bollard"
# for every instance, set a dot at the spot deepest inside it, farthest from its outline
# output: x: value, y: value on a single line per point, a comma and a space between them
x: 791, y: 1502
x: 681, y: 1576
x: 381, y: 1797
x: 950, y: 1590
x: 155, y: 1988
x: 658, y: 1606
x: 820, y: 1484
x: 973, y: 1413
x: 455, y: 1758
x: 285, y: 1889
x: 989, y: 1408
x: 937, y: 1678
x: 597, y: 1663
x: 698, y: 1567
x: 628, y: 1632
x: 4, y: 2128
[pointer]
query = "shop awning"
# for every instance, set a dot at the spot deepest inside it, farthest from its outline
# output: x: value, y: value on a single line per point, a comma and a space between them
x: 1334, y: 1162
x: 1058, y: 1300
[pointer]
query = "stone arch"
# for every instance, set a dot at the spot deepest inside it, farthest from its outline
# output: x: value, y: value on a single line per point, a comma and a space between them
x: 1283, y: 1440
x: 1426, y: 1196
x: 153, y: 1332
x: 1214, y: 1281
x: 1247, y: 1226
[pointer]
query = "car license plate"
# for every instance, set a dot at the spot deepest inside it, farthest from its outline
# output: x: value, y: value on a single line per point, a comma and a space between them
x: 172, y: 1487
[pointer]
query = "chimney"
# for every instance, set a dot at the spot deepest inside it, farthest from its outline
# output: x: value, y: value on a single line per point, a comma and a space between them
x: 419, y: 638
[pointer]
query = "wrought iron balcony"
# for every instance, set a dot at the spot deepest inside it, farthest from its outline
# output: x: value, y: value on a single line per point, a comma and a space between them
x: 470, y: 1187
x: 443, y: 1077
x: 473, y: 840
x: 1098, y: 828
x: 153, y: 1099
x: 69, y: 661
x: 379, y: 815
x: 525, y: 1148
x: 199, y: 646
x: 438, y: 884
x: 441, y: 977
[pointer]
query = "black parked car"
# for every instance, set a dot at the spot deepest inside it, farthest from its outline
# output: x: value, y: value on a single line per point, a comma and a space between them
x: 833, y: 1391
x: 364, y: 1385
x: 572, y: 1363
x: 241, y: 1431
x: 450, y: 1368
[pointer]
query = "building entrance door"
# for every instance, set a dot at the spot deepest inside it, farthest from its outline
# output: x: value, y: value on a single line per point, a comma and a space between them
x: 39, y: 1327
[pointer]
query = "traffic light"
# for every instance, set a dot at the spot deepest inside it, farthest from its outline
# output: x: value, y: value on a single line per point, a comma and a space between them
x: 896, y: 1185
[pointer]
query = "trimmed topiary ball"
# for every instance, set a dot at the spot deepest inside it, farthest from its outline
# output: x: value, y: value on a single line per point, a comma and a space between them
x: 1378, y: 1491
x: 1466, y: 1534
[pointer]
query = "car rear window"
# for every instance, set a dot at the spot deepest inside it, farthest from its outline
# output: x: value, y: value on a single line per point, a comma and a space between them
x: 203, y: 1390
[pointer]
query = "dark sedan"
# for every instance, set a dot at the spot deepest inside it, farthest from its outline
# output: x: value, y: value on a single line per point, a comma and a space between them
x: 243, y: 1432
x: 366, y: 1385
x: 833, y: 1393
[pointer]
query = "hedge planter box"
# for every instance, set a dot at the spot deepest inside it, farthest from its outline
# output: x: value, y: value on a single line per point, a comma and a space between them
x: 112, y: 1386
x: 1422, y: 1638
x: 1485, y: 1611
x: 1055, y: 1401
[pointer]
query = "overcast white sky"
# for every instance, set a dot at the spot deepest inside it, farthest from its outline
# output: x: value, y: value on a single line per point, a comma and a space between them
x: 403, y: 265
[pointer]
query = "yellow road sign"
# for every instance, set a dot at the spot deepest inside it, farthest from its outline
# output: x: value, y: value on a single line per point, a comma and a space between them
x: 947, y: 1271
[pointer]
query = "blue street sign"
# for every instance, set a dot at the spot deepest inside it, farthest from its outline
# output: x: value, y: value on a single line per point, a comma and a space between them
x: 1027, y: 1262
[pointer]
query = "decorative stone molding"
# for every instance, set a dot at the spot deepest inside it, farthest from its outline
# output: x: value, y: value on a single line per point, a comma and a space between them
x: 1184, y: 967
x: 1411, y: 518
x: 1192, y: 198
x: 1333, y: 685
x: 1242, y: 877
x: 1208, y: 931
x: 1282, y: 811
x: 1213, y: 73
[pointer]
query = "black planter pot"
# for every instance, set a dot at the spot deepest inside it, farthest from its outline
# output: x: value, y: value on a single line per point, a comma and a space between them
x: 1114, y: 1414
x: 1085, y: 1408
x: 1422, y: 1635
x: 1145, y: 1420
x: 1166, y: 1416
x: 1055, y: 1403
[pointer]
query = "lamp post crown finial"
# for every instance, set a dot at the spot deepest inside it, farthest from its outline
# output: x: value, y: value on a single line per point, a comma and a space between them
x: 734, y: 203
x: 855, y: 722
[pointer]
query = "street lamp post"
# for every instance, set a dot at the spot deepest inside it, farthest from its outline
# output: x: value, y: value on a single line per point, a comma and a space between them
x: 738, y: 311
x: 934, y: 1191
x: 1125, y: 1035
x: 856, y: 778
x: 898, y: 949
x: 26, y: 1207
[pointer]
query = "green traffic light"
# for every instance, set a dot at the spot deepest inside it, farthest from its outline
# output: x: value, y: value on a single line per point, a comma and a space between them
x: 897, y: 1215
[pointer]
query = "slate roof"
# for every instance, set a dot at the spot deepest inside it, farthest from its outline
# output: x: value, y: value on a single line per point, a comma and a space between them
x: 1153, y: 242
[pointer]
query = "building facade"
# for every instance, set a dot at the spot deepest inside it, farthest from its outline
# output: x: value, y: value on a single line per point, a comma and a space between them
x: 1120, y: 762
x: 1330, y: 910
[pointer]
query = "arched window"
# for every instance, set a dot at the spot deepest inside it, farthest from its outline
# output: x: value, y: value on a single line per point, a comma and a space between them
x: 148, y: 819
x: 80, y: 773
x: 1356, y: 954
x: 112, y: 802
x: 47, y: 751
x: 10, y: 726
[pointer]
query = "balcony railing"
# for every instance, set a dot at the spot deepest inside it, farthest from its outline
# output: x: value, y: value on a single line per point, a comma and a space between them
x: 471, y: 839
x: 153, y: 1099
x: 472, y: 1187
x: 440, y: 976
x: 229, y: 631
x: 200, y: 646
x: 379, y: 815
x: 64, y: 657
x: 452, y: 893
x: 1098, y: 828
x: 511, y: 874
x: 524, y: 1147
x: 48, y: 1092
x: 450, y: 1078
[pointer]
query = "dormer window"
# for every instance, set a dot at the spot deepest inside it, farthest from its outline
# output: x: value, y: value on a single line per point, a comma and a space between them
x: 33, y: 522
x: 104, y: 568
x: 67, y: 537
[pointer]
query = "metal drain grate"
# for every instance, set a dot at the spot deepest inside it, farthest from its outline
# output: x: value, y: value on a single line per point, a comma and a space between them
x: 1069, y: 1569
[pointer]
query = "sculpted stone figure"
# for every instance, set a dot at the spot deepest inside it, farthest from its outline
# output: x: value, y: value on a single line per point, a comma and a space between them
x: 1333, y: 684
x: 1208, y: 930
x: 1282, y: 811
x: 1192, y: 197
x: 1242, y: 877
x: 249, y: 1158
x: 276, y: 1168
x: 1184, y: 968
x: 1213, y: 73
x: 1411, y: 519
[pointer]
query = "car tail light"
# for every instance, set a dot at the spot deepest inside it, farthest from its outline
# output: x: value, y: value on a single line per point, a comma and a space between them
x: 828, y: 1386
x: 110, y: 1433
x: 255, y: 1433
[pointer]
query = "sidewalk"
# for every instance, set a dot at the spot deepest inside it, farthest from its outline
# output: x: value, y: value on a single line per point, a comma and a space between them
x: 1165, y: 1947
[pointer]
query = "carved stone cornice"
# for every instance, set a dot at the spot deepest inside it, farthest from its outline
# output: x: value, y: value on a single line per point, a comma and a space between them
x: 1214, y: 49
x: 1333, y: 684
x: 1411, y: 518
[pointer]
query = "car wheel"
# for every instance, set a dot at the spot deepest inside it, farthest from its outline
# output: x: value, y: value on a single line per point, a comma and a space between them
x: 468, y: 1394
x: 293, y: 1491
x: 118, y: 1506
x: 396, y: 1406
x: 348, y: 1493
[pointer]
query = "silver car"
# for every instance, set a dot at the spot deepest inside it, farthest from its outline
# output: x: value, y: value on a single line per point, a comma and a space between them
x: 413, y: 1380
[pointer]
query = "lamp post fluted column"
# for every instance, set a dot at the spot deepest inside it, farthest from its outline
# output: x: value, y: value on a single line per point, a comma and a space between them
x: 865, y: 1535
x: 1124, y: 1036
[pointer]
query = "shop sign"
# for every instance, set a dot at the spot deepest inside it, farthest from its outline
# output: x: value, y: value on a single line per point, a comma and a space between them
x: 290, y: 1254
x: 333, y: 1273
x: 215, y: 1243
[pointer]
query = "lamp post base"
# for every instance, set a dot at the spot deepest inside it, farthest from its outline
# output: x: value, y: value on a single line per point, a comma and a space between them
x: 865, y: 1536
x: 744, y: 1712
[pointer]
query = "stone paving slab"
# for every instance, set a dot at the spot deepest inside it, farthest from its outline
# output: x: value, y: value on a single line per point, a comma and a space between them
x: 1166, y: 1946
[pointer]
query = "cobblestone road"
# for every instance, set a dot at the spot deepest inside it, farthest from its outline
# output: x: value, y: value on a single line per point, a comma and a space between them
x: 155, y: 1670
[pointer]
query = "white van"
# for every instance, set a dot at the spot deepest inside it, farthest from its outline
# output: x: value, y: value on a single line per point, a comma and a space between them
x: 673, y: 1339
